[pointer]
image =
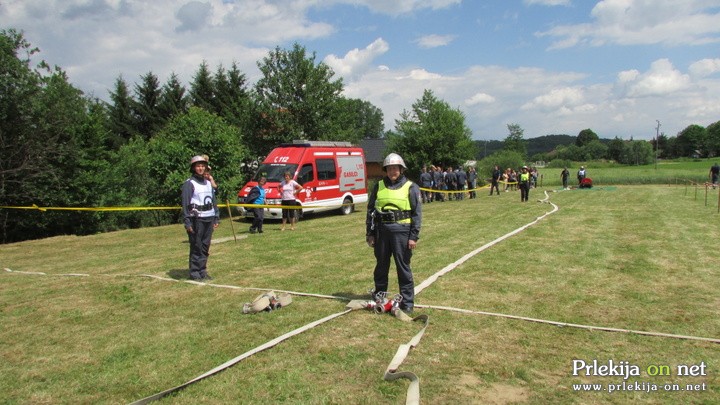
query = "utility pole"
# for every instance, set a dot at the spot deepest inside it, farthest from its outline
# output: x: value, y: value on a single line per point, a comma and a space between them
x: 657, y: 139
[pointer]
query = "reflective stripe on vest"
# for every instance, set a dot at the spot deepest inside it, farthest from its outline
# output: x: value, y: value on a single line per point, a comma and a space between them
x: 524, y: 177
x: 393, y: 200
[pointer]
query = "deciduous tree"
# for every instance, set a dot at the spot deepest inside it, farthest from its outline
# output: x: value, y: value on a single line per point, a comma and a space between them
x: 296, y: 98
x: 515, y: 142
x: 431, y: 133
x: 197, y: 132
x: 585, y: 137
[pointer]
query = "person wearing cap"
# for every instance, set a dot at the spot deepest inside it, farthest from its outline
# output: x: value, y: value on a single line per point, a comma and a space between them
x: 581, y: 174
x: 394, y: 217
x: 524, y: 183
x: 201, y: 216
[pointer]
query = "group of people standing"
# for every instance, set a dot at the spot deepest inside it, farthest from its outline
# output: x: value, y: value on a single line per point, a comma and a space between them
x: 201, y: 215
x: 394, y: 212
x: 393, y: 221
x: 455, y: 184
x: 447, y: 184
x: 565, y: 175
x: 288, y: 189
x: 512, y: 179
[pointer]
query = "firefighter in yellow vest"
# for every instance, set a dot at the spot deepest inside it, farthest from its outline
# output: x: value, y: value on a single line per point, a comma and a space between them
x: 393, y: 222
x: 524, y: 184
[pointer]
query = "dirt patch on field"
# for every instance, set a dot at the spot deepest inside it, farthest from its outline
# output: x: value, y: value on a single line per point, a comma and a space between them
x: 499, y: 394
x: 472, y: 387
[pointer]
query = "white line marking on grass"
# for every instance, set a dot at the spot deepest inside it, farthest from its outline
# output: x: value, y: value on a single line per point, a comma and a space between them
x: 572, y: 325
x: 452, y: 266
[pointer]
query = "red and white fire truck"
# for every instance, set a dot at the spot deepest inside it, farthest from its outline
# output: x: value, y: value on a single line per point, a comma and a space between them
x: 332, y: 175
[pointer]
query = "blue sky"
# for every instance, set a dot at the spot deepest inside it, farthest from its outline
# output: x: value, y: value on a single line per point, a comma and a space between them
x: 551, y: 66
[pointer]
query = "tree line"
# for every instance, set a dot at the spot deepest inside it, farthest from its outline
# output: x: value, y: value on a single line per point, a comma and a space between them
x: 694, y: 141
x: 62, y: 148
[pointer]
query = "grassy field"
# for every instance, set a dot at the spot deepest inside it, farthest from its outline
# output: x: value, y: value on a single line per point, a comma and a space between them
x: 665, y: 172
x: 632, y: 257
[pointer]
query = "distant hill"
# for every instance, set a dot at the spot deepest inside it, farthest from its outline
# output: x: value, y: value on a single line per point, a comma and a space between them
x: 547, y: 143
x: 541, y: 144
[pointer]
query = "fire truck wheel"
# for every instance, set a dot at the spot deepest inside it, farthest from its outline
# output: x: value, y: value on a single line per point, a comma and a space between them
x: 348, y: 207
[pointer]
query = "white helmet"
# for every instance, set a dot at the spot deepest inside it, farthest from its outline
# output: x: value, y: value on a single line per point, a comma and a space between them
x: 394, y: 159
x: 198, y: 158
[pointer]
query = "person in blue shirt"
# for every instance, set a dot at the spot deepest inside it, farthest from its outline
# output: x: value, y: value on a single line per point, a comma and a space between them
x: 257, y: 196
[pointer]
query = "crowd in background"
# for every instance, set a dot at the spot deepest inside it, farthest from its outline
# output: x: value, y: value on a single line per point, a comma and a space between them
x: 438, y: 184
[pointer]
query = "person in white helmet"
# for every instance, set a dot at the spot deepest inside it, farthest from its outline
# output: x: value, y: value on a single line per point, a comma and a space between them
x: 201, y: 216
x: 394, y: 217
x: 581, y: 174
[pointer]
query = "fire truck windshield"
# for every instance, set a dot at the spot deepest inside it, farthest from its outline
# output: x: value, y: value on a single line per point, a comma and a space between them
x: 274, y: 172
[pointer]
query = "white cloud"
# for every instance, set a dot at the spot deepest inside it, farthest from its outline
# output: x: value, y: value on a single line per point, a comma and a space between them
x: 97, y: 40
x: 398, y: 7
x: 132, y: 37
x: 357, y: 61
x: 479, y: 98
x: 546, y: 102
x: 421, y: 75
x: 628, y: 76
x: 662, y: 79
x: 548, y: 2
x: 556, y: 98
x: 434, y: 40
x: 634, y: 22
x: 705, y: 67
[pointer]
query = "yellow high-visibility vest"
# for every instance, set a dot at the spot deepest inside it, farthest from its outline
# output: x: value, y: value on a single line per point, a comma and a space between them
x: 394, y: 200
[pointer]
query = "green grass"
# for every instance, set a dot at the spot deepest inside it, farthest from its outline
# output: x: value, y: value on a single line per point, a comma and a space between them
x: 665, y: 172
x: 635, y: 257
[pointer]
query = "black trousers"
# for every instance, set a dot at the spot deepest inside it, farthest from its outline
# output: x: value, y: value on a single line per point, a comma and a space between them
x: 200, y: 246
x: 438, y: 196
x: 495, y: 185
x: 524, y: 191
x: 257, y: 223
x: 392, y: 240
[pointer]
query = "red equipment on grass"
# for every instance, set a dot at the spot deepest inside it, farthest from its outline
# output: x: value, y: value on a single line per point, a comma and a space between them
x: 586, y: 183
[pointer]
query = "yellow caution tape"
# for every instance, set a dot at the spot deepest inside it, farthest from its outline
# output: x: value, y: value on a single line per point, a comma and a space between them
x: 452, y: 191
x: 98, y: 209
